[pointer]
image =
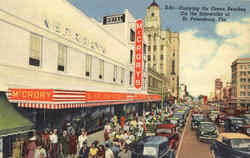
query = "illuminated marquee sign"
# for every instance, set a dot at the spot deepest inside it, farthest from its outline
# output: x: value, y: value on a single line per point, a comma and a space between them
x: 31, y: 94
x: 69, y: 33
x: 138, y: 54
x: 114, y: 19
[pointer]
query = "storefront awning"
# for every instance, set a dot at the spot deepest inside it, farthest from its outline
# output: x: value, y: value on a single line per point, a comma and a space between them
x: 68, y: 99
x: 11, y: 121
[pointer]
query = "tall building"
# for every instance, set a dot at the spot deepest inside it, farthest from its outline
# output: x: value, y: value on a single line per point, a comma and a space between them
x: 227, y: 93
x: 241, y: 82
x: 218, y: 90
x: 162, y: 49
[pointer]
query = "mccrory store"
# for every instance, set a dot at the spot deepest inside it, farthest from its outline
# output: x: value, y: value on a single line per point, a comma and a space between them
x: 57, y: 68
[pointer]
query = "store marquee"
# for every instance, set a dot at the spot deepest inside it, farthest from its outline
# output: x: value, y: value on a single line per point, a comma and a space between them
x: 65, y: 99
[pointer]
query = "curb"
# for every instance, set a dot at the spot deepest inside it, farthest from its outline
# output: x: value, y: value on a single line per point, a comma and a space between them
x: 183, y: 133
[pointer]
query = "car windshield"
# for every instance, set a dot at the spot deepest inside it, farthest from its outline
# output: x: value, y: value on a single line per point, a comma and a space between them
x: 149, y: 151
x: 240, y: 143
x: 237, y: 121
x: 198, y: 117
x: 164, y: 130
x: 207, y: 126
x: 178, y: 115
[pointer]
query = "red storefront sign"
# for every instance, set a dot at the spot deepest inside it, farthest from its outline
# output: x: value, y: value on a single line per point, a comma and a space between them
x: 138, y: 53
x: 31, y: 94
x: 104, y: 96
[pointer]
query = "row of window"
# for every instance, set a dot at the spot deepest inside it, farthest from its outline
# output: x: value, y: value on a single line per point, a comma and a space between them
x: 244, y: 94
x: 154, y: 58
x: 244, y: 66
x: 244, y: 86
x: 36, y: 52
x: 244, y: 80
x: 155, y: 48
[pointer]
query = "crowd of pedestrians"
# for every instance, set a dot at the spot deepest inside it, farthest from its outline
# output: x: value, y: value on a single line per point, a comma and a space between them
x: 119, y: 135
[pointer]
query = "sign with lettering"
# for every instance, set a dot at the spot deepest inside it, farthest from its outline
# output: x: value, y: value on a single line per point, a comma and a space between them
x: 138, y: 53
x: 105, y: 96
x: 114, y: 19
x: 67, y: 32
x: 31, y: 94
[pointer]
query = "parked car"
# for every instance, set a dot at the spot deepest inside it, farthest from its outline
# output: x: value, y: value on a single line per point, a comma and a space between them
x: 181, y: 116
x: 196, y: 119
x: 212, y: 115
x: 231, y: 145
x: 207, y: 132
x: 220, y: 119
x: 175, y: 121
x: 170, y: 131
x: 152, y: 147
x: 236, y: 124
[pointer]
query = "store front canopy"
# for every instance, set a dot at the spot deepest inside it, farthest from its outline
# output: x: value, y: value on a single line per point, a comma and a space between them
x: 68, y: 99
x: 11, y: 121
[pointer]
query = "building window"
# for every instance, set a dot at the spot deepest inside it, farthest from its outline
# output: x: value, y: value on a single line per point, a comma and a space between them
x: 242, y: 80
x: 88, y: 65
x: 242, y: 86
x: 173, y: 54
x: 144, y: 49
x: 153, y: 57
x: 149, y: 37
x: 162, y: 47
x: 248, y: 73
x: 242, y: 94
x: 101, y: 69
x: 161, y: 68
x: 122, y: 75
x: 249, y: 80
x: 149, y: 48
x: 153, y: 14
x: 248, y: 93
x: 242, y: 73
x: 35, y: 50
x: 130, y: 78
x: 155, y: 48
x: 62, y: 57
x: 115, y: 73
x: 241, y: 67
x: 173, y: 67
x: 162, y: 56
x: 154, y: 67
x: 249, y: 66
x: 154, y: 36
x: 149, y: 57
x: 131, y: 56
x: 132, y: 35
x: 248, y: 86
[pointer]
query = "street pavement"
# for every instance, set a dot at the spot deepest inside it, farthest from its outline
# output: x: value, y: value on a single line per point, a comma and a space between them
x: 190, y: 147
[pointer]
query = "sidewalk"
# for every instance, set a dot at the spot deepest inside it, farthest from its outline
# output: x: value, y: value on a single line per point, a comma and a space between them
x: 99, y: 136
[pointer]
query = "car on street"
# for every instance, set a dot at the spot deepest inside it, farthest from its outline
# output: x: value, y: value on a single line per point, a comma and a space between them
x: 170, y: 131
x: 231, y: 145
x: 220, y: 119
x: 152, y: 147
x: 196, y: 119
x: 212, y: 115
x: 237, y: 124
x: 207, y: 132
x: 175, y: 121
x: 181, y: 116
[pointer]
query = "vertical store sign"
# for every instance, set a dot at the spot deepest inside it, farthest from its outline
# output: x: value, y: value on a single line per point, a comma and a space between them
x: 138, y: 53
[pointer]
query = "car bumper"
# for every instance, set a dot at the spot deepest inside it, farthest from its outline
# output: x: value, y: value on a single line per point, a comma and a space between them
x: 207, y: 139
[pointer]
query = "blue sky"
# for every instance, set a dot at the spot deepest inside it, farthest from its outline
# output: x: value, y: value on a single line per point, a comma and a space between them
x: 207, y: 48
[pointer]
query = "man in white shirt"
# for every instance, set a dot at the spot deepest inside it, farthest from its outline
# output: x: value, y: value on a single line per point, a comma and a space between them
x: 82, y: 138
x: 108, y: 152
x: 54, y: 144
x: 40, y: 152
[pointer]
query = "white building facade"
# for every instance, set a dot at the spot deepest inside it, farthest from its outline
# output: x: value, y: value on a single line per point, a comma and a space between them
x: 55, y: 57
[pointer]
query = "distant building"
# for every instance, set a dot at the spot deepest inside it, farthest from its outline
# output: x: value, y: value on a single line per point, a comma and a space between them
x: 163, y: 49
x: 227, y: 93
x: 241, y: 82
x: 218, y: 90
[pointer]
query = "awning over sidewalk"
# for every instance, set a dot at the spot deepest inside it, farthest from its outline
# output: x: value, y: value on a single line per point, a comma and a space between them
x: 68, y: 99
x: 11, y: 122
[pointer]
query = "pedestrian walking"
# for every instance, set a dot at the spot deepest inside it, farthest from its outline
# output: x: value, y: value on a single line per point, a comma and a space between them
x: 72, y: 144
x: 108, y: 151
x: 54, y: 144
x: 93, y: 150
x: 122, y: 121
x: 31, y: 147
x: 84, y: 151
x: 82, y: 138
x: 101, y: 151
x: 40, y: 152
x: 64, y: 145
x: 17, y: 148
